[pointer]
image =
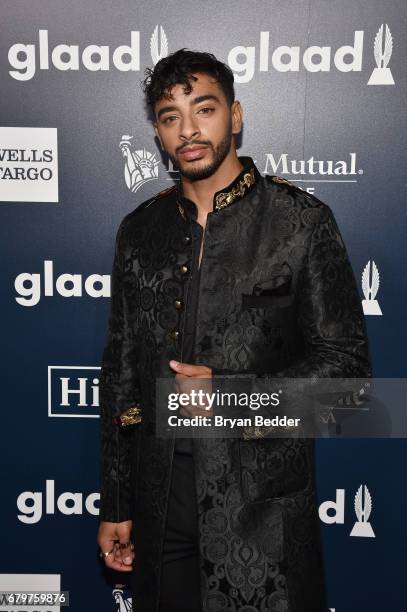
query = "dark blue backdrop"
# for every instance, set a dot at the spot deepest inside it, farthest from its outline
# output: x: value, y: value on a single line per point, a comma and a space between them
x: 71, y: 220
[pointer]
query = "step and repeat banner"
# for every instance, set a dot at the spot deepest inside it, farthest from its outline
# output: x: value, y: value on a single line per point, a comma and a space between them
x: 323, y: 88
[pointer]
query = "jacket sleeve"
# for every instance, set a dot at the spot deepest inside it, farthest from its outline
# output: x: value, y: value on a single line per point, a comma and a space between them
x: 330, y: 316
x: 118, y: 390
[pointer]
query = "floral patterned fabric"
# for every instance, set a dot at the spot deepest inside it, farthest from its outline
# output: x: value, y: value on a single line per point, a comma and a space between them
x: 277, y: 297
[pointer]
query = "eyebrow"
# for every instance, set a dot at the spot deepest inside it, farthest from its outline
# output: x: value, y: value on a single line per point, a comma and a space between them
x: 197, y: 100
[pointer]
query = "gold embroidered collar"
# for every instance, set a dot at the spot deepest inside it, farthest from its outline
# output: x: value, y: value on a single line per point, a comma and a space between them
x: 235, y: 191
x: 227, y: 197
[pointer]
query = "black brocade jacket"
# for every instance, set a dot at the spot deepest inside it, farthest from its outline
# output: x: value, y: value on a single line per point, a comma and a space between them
x: 259, y: 535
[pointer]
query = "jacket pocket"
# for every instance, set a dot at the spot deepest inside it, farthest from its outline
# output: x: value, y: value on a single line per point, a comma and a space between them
x: 266, y: 301
x: 274, y: 292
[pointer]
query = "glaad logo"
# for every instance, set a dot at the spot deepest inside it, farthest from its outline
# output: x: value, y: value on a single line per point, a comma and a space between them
x: 30, y: 503
x: 331, y: 512
x: 241, y: 59
x: 28, y: 164
x: 284, y: 165
x: 287, y: 59
x: 347, y: 58
x: 370, y: 287
x: 72, y: 395
x: 382, y: 75
x: 95, y: 58
x: 363, y: 507
x: 28, y: 286
x: 140, y: 166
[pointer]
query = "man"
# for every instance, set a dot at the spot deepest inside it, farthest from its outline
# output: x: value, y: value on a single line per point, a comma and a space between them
x: 227, y: 273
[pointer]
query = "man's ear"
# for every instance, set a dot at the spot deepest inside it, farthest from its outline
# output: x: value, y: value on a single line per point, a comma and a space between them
x: 237, y: 117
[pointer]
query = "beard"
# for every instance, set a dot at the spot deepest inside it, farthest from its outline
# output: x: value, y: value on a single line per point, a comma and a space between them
x: 203, y: 172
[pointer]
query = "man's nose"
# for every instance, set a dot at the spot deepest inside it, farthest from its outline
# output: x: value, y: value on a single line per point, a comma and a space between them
x: 189, y: 129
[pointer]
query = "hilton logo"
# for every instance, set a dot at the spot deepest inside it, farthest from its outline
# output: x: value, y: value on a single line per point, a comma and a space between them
x: 73, y: 391
x: 140, y: 166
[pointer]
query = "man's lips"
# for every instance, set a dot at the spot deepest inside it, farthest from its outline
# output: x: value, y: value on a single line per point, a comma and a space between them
x: 193, y: 153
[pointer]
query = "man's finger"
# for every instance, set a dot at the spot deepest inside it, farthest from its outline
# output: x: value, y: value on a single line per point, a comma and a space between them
x: 106, y: 543
x: 114, y: 538
x: 117, y: 565
x: 111, y: 560
x: 188, y: 369
x: 124, y: 545
x: 124, y: 552
x: 185, y: 369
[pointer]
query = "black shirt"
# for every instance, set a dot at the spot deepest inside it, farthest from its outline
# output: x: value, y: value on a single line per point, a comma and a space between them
x: 181, y: 534
x: 184, y: 445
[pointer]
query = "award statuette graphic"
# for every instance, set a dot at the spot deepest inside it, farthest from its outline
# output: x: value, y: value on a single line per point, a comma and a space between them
x: 158, y: 48
x: 140, y: 166
x: 363, y: 507
x: 370, y: 287
x: 382, y: 75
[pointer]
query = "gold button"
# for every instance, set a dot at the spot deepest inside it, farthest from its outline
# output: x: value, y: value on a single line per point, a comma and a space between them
x: 184, y: 269
x: 178, y: 304
x: 174, y: 334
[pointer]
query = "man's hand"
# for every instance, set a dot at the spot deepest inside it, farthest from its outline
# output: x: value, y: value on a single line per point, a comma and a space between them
x: 115, y: 537
x: 185, y: 382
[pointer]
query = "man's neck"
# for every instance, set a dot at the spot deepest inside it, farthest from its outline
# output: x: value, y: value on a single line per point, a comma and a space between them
x: 202, y: 192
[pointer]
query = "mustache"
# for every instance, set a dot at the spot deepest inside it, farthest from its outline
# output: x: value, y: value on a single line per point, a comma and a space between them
x: 190, y: 144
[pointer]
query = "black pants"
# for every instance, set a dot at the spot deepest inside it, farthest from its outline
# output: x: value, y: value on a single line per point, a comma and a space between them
x: 180, y: 586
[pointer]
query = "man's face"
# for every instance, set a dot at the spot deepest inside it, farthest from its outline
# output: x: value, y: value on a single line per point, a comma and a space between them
x: 196, y: 130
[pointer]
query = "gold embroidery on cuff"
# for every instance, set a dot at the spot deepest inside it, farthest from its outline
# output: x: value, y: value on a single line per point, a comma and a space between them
x: 131, y: 416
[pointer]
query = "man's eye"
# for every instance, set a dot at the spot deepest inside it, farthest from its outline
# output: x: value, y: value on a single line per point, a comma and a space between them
x: 206, y: 108
x: 169, y: 119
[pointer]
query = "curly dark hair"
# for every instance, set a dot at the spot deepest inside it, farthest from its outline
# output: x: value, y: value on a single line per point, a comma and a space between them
x: 178, y: 68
